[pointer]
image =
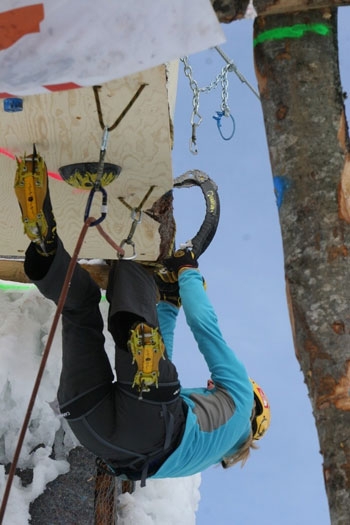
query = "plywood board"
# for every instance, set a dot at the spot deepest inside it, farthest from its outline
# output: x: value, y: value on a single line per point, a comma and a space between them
x: 65, y: 128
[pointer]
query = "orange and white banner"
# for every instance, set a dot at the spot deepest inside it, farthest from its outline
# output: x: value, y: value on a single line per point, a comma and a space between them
x: 60, y: 44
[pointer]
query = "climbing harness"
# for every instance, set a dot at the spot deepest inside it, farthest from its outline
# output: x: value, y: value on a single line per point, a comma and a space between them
x: 147, y: 348
x: 200, y: 242
x: 136, y: 217
x: 222, y: 78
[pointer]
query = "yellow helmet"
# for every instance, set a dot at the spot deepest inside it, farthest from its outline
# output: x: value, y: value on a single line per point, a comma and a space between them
x: 261, y: 421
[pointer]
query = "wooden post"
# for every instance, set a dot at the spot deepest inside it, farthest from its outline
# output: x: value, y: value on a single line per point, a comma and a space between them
x: 296, y: 59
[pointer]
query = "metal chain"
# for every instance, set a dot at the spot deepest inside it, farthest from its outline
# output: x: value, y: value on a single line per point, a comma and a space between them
x: 224, y: 92
x: 222, y: 78
x: 196, y: 117
x: 233, y: 68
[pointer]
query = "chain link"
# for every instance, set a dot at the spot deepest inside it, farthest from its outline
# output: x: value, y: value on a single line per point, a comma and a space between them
x: 221, y: 78
x: 196, y: 117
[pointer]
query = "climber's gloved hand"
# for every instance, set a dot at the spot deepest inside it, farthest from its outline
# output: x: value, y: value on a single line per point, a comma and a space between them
x: 168, y: 287
x: 180, y: 260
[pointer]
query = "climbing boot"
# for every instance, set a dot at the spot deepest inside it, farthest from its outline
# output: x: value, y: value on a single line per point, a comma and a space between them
x: 32, y: 191
x: 147, y: 348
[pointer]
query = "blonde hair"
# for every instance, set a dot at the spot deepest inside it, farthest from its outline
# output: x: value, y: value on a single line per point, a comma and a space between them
x: 243, y: 452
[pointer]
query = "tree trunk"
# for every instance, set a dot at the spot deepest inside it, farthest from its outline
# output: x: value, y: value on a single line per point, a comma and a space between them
x: 296, y: 59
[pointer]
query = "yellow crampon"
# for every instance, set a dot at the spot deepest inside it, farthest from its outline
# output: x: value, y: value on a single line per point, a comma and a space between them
x: 31, y: 189
x: 147, y: 348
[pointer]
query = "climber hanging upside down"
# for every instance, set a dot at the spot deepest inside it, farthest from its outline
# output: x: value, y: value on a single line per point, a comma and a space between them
x: 143, y: 424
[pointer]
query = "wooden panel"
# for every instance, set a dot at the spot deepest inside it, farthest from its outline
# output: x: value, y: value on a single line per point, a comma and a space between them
x: 12, y: 270
x: 65, y: 127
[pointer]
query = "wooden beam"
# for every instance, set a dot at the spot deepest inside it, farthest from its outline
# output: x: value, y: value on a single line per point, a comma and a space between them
x: 161, y: 212
x: 12, y: 270
x: 230, y: 10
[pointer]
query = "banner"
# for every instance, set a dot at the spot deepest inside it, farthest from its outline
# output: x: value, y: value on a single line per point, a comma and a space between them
x: 61, y: 44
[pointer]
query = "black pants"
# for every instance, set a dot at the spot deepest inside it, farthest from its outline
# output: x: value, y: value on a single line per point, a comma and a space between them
x: 107, y: 416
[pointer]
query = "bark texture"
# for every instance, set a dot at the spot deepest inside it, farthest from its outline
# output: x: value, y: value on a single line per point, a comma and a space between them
x: 229, y: 10
x: 296, y: 59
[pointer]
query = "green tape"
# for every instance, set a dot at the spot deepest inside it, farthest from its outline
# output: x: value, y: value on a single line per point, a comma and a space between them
x: 10, y: 286
x: 296, y: 31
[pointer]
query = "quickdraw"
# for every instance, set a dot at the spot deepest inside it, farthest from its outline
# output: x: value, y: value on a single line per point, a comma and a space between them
x: 136, y: 216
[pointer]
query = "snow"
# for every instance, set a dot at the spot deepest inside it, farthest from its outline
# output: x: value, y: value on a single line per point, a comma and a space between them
x: 26, y: 321
x: 170, y: 501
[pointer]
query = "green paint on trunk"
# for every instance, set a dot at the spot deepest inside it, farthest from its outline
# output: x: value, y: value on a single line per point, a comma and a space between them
x: 296, y: 31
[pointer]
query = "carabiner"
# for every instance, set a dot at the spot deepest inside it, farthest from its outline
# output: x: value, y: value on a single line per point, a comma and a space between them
x: 103, y: 205
x: 221, y: 114
x: 130, y: 243
x: 193, y: 140
x: 136, y: 216
x: 137, y: 219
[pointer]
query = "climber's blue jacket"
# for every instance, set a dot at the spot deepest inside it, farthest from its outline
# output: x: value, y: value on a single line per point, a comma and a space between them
x: 218, y: 420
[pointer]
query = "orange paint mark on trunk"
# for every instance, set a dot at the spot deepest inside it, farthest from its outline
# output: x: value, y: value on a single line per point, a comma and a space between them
x: 344, y: 192
x: 335, y: 392
x: 291, y: 317
x: 337, y: 251
x: 16, y: 23
x: 312, y: 349
x: 342, y: 132
x: 338, y: 327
